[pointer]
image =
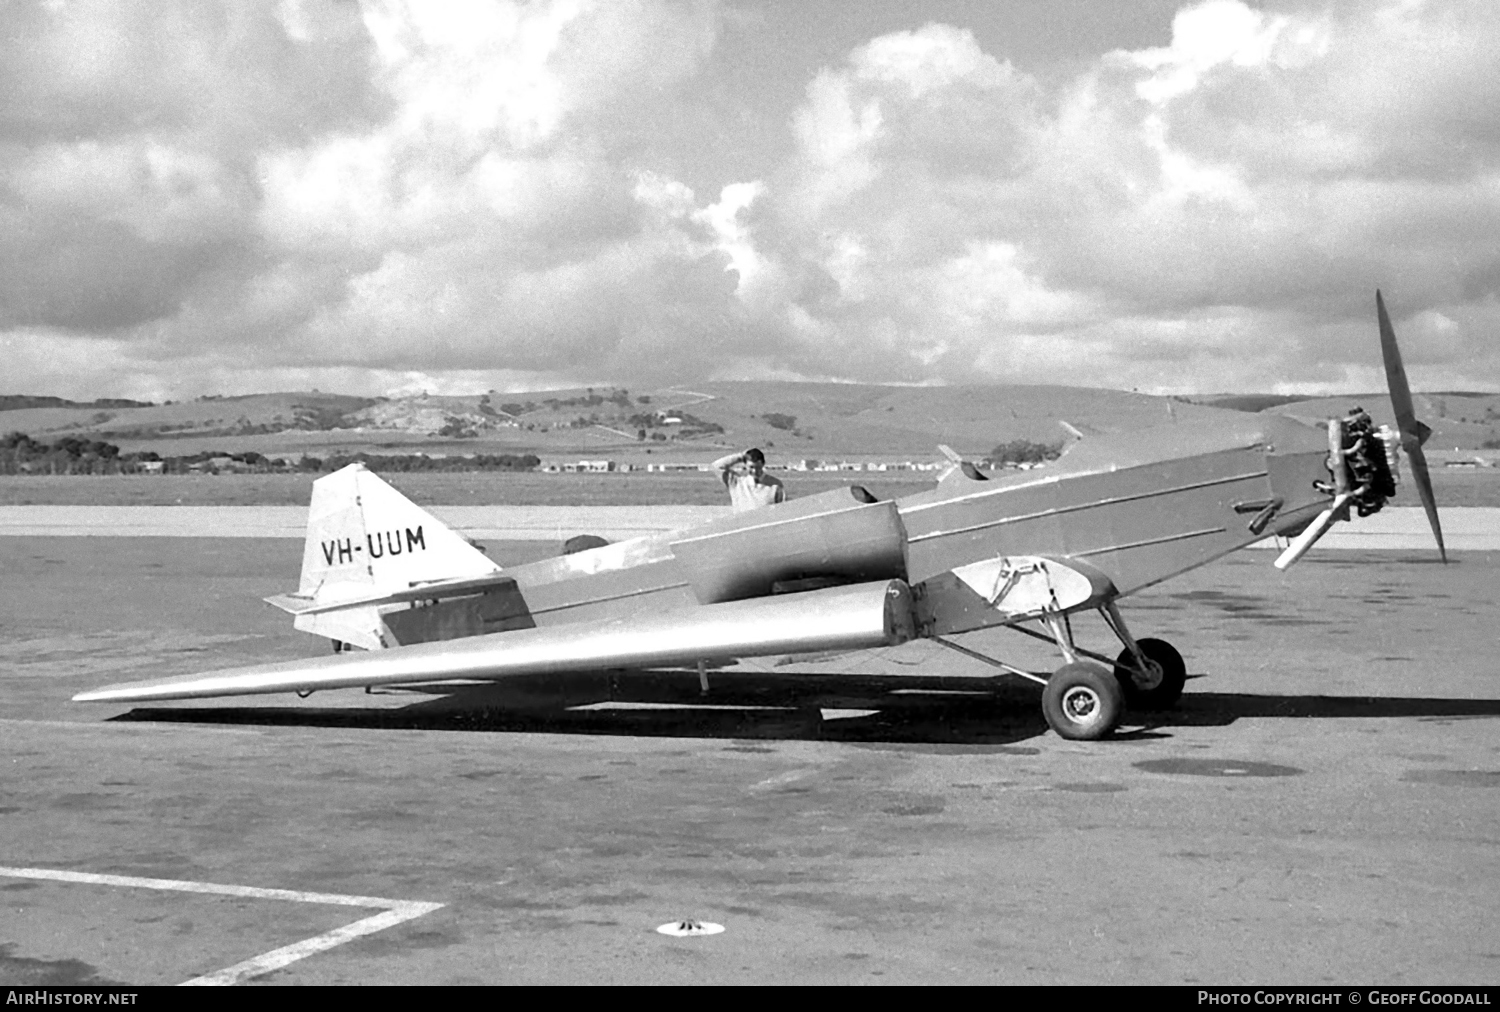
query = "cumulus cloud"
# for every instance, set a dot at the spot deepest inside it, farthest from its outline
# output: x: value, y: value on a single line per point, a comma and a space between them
x: 401, y: 192
x: 1210, y: 214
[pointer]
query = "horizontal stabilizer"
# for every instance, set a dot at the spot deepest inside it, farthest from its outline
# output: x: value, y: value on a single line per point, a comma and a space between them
x: 861, y: 616
x: 299, y: 604
x: 293, y: 604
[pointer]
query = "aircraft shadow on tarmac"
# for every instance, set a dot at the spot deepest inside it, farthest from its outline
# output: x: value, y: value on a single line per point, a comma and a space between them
x: 798, y: 707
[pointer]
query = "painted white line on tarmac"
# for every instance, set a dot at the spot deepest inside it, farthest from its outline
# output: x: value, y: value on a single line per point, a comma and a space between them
x: 394, y: 912
x: 277, y: 958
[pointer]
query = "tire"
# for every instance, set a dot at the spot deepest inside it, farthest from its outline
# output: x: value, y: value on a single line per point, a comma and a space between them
x: 583, y: 543
x: 1082, y: 701
x: 1167, y: 690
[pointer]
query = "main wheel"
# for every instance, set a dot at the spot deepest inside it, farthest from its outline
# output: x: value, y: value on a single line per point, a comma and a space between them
x: 582, y: 543
x: 1082, y: 701
x: 1165, y: 676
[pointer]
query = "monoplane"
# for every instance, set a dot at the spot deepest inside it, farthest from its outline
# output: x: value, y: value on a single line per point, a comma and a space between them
x: 842, y: 570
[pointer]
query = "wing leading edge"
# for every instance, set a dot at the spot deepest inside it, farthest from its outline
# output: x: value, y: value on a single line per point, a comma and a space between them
x: 855, y: 617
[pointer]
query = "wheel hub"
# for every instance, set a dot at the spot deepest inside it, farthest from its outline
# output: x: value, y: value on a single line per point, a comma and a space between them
x: 1149, y: 674
x: 1080, y: 704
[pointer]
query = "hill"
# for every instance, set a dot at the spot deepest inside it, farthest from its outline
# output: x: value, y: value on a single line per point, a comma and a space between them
x: 1247, y: 402
x: 793, y: 421
x: 1464, y: 421
x: 254, y: 414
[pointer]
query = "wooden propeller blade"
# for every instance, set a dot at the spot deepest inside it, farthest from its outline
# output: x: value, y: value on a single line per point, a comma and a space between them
x: 1413, y: 432
x: 1395, y: 378
x: 1418, y: 462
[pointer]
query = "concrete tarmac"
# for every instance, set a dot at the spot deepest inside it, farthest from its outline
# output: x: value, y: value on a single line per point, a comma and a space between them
x: 1323, y: 808
x: 493, y: 523
x: 1474, y: 528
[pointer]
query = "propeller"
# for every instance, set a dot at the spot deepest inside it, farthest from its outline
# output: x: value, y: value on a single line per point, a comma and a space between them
x: 1413, y: 432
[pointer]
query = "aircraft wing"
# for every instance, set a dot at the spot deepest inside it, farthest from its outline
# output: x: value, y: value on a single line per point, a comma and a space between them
x: 855, y: 617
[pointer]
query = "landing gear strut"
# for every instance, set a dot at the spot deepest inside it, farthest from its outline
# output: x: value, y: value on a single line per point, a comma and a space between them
x: 1084, y: 700
x: 1150, y: 671
x: 1155, y: 684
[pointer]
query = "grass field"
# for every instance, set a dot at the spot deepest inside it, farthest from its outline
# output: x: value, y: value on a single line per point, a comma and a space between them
x: 1455, y: 488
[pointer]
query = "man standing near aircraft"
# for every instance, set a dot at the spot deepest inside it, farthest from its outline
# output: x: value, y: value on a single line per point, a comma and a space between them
x: 744, y: 474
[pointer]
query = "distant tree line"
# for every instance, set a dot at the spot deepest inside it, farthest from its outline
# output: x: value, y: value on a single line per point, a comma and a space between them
x: 20, y: 454
x: 618, y: 397
x: 422, y: 462
x: 1023, y: 451
x: 686, y: 425
x: 17, y: 402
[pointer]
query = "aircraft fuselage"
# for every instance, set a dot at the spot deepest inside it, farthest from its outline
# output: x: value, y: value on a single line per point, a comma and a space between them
x: 1140, y: 507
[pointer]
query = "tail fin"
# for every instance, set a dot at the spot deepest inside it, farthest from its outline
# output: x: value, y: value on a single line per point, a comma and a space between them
x: 365, y: 539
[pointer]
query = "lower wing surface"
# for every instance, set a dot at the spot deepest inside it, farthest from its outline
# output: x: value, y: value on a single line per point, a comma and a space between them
x: 855, y: 617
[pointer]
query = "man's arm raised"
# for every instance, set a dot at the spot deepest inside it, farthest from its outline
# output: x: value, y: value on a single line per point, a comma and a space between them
x: 725, y: 464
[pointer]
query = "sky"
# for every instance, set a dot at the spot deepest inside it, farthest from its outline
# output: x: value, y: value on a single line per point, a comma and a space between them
x: 396, y: 196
